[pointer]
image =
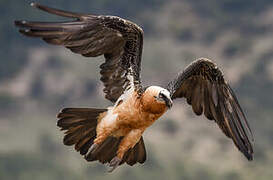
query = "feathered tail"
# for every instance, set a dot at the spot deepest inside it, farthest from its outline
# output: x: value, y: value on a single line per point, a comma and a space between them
x: 80, y: 125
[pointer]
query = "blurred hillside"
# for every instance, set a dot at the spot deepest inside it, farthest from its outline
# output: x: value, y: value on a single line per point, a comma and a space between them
x: 37, y: 80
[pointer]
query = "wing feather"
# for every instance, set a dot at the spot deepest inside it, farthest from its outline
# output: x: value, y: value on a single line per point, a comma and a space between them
x: 119, y: 40
x: 204, y: 87
x: 196, y: 98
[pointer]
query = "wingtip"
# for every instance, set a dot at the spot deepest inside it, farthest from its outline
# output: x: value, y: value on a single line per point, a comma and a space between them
x: 249, y: 155
x: 19, y: 22
x: 33, y: 4
x: 24, y: 30
x: 55, y: 11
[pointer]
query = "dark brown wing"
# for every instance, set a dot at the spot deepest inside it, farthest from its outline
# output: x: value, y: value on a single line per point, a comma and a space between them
x: 204, y: 87
x: 120, y: 42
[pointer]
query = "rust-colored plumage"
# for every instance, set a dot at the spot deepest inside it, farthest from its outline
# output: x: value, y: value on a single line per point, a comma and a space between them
x: 114, y: 135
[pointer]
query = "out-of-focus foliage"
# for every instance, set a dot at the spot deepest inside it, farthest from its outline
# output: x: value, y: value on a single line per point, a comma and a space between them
x: 36, y: 80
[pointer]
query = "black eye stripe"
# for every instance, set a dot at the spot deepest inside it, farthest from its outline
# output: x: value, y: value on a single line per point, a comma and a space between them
x: 162, y: 95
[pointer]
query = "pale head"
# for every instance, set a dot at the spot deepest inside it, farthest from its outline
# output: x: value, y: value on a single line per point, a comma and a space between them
x: 158, y: 95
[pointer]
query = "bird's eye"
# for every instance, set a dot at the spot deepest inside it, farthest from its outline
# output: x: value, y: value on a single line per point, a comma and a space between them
x: 161, y: 95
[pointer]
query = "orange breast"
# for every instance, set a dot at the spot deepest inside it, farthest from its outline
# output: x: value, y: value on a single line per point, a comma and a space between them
x: 137, y: 113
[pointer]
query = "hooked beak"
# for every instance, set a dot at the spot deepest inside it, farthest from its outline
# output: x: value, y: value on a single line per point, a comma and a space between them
x: 165, y: 98
x: 169, y: 102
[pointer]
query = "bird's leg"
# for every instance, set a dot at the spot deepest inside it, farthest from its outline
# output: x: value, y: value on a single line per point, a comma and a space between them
x: 103, y: 134
x: 129, y: 141
x: 103, y: 131
x: 99, y: 139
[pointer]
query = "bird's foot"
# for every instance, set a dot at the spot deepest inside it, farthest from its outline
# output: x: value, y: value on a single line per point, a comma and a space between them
x: 89, y: 156
x: 113, y: 164
x: 94, y: 146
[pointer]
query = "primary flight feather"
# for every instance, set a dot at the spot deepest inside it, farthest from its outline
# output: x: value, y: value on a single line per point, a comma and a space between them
x: 114, y: 135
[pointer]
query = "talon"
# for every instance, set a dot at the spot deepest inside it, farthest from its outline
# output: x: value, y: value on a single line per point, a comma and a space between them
x: 88, y: 156
x: 114, y: 164
x: 94, y: 146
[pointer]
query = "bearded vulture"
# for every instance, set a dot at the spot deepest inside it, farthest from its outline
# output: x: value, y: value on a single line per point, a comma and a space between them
x: 114, y: 135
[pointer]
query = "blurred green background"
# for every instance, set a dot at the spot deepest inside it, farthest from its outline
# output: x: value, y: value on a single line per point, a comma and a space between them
x: 37, y: 80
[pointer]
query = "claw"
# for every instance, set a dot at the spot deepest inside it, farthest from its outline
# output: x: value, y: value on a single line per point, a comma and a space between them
x: 113, y: 164
x: 94, y: 146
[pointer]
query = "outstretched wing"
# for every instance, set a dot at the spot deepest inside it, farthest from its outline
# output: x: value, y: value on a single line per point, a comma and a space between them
x: 204, y: 87
x: 120, y: 42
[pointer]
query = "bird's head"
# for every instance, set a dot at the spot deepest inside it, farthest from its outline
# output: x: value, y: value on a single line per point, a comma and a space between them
x: 156, y: 97
x: 163, y: 96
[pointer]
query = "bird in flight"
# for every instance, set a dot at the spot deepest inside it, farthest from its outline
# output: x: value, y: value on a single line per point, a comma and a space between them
x: 114, y: 135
